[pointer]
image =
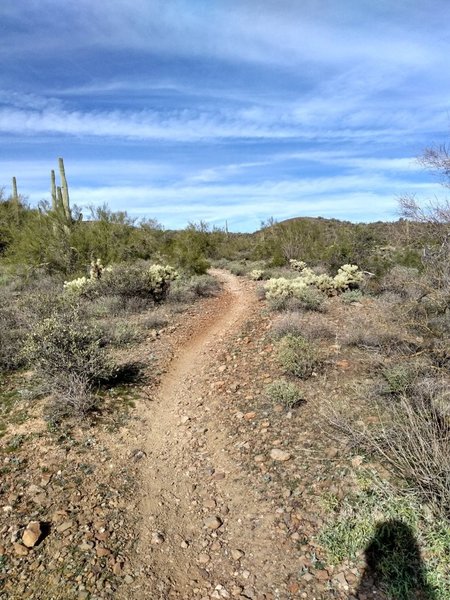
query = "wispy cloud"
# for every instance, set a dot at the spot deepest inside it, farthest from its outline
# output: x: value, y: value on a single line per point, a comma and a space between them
x: 192, y: 108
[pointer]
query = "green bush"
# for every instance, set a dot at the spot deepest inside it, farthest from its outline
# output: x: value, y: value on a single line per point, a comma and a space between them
x: 148, y: 282
x: 298, y: 356
x: 283, y: 392
x: 198, y: 286
x: 65, y: 343
x: 350, y: 296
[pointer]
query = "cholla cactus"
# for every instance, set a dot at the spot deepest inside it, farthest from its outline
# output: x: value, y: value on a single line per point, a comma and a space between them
x: 159, y: 278
x: 77, y: 286
x: 308, y: 276
x: 297, y: 265
x: 96, y: 269
x: 256, y: 274
x: 325, y: 284
x: 348, y: 277
x: 282, y: 289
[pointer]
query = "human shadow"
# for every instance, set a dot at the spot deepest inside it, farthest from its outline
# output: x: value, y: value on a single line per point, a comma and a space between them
x: 394, y: 565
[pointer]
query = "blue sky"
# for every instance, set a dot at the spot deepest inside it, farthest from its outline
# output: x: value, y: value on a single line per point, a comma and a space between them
x: 235, y: 110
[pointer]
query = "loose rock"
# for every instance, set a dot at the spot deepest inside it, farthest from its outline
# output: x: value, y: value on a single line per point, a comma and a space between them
x: 32, y: 534
x: 280, y: 455
x: 213, y: 522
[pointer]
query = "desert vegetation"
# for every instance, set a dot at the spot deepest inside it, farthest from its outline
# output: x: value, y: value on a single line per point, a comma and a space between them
x: 358, y: 329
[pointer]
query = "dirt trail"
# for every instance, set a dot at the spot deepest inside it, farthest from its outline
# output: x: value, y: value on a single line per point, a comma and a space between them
x: 191, y: 484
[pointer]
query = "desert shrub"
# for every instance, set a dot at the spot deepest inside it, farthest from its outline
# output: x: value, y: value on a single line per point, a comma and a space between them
x: 204, y: 286
x: 410, y: 435
x: 64, y: 343
x: 154, y: 321
x: 192, y: 247
x: 186, y: 290
x: 403, y: 281
x: 298, y: 356
x: 414, y: 443
x: 12, y: 332
x: 307, y: 299
x: 283, y: 392
x: 398, y: 378
x: 121, y: 334
x: 72, y: 395
x: 294, y: 323
x: 350, y: 296
x: 237, y: 269
x: 433, y: 391
x: 105, y: 306
x: 140, y: 280
x: 364, y: 336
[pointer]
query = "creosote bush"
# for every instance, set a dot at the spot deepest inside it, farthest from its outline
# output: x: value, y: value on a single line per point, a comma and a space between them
x: 67, y: 354
x: 298, y: 356
x: 283, y: 392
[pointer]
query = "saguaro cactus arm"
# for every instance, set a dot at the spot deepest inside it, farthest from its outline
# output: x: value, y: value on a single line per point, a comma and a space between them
x: 54, y: 196
x: 15, y: 195
x: 65, y: 191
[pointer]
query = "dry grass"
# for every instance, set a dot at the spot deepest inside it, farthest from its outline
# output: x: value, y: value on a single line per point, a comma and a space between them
x: 411, y: 436
x: 312, y: 327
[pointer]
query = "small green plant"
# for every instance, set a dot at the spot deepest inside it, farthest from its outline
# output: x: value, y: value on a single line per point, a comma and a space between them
x: 298, y: 356
x: 398, y: 378
x: 351, y: 296
x: 283, y: 392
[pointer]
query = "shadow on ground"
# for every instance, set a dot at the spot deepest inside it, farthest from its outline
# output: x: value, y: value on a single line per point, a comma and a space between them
x: 394, y: 565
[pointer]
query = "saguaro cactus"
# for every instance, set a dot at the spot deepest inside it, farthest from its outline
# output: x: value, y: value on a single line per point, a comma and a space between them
x: 54, y: 196
x: 65, y: 191
x: 15, y: 195
x: 15, y: 198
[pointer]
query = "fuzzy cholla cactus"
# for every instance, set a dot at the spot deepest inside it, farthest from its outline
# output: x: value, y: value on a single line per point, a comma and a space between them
x: 348, y: 277
x: 96, y: 269
x: 256, y: 274
x: 159, y: 278
x: 297, y: 265
x: 325, y: 284
x: 282, y: 289
x: 77, y: 286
